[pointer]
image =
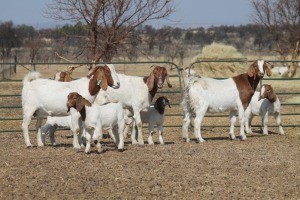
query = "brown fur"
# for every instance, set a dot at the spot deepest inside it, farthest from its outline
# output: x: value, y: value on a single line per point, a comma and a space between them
x: 100, y: 73
x: 156, y: 80
x: 65, y: 77
x: 269, y: 93
x: 247, y: 83
x: 76, y: 101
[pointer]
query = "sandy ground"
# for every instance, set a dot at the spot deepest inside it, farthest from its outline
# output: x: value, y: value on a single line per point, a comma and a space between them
x: 262, y: 167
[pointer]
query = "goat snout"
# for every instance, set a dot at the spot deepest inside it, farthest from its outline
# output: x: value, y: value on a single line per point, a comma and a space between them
x: 116, y: 86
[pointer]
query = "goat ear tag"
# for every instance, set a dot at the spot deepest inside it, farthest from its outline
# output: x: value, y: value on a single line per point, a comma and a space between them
x: 99, y: 82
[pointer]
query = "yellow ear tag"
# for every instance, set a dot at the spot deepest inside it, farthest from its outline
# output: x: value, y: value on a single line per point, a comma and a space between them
x: 99, y: 82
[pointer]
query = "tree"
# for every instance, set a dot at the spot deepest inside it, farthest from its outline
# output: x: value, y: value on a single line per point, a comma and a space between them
x: 282, y: 19
x: 8, y: 39
x: 110, y: 22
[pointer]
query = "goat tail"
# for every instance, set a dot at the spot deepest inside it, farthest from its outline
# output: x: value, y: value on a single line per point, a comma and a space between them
x: 31, y: 76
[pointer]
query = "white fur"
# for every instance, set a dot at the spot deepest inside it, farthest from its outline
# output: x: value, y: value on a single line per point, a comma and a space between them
x: 211, y: 95
x: 109, y: 116
x: 45, y: 97
x: 133, y: 94
x: 262, y: 108
x: 151, y: 117
x: 280, y: 70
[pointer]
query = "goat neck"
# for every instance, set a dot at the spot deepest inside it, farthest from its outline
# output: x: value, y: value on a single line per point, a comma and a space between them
x: 246, y: 86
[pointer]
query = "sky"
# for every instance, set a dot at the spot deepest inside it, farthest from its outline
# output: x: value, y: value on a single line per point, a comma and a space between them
x: 188, y: 13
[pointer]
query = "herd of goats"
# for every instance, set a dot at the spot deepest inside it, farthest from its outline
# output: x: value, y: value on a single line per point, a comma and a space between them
x: 106, y: 100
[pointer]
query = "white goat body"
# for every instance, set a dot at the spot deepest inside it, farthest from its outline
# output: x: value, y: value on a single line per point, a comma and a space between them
x: 205, y: 94
x: 280, y: 70
x: 135, y: 93
x: 153, y: 115
x: 262, y: 106
x: 45, y: 97
x: 96, y: 118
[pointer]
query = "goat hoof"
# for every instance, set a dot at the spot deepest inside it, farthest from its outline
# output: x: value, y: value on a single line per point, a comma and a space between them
x: 231, y: 137
x: 95, y: 141
x: 120, y: 150
x: 29, y: 146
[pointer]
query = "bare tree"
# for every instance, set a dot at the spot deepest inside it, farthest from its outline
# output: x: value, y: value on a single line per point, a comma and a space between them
x: 282, y: 19
x: 109, y: 21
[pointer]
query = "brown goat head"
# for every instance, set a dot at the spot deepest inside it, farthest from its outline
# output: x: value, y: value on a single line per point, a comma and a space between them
x: 65, y: 77
x: 157, y: 78
x: 268, y: 93
x: 259, y: 68
x: 100, y: 77
x: 76, y: 101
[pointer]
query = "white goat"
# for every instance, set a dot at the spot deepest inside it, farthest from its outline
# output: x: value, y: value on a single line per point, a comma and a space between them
x: 96, y: 118
x: 136, y: 94
x: 45, y: 97
x: 264, y: 103
x: 279, y: 69
x: 234, y: 94
x: 154, y: 115
x: 51, y: 125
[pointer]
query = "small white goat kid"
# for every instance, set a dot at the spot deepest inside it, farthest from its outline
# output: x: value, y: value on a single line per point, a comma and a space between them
x: 153, y: 116
x: 96, y: 118
x: 263, y: 103
x: 45, y: 97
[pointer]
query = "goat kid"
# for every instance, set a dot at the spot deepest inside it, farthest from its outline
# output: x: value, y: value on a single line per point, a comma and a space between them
x: 96, y: 118
x: 136, y: 94
x: 152, y: 116
x: 234, y: 94
x: 44, y: 97
x: 264, y: 103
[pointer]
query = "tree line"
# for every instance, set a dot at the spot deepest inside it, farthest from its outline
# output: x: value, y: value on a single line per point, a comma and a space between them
x: 41, y: 45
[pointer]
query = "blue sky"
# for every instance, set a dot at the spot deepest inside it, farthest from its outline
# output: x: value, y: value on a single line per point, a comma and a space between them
x: 188, y: 13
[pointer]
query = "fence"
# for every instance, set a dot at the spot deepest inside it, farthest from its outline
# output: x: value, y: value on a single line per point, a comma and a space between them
x: 10, y: 92
x: 7, y: 70
x: 287, y: 90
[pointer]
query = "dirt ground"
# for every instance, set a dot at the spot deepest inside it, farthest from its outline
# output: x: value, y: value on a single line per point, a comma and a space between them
x: 262, y: 167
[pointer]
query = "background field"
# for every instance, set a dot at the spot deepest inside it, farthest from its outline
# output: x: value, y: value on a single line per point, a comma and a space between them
x: 262, y: 167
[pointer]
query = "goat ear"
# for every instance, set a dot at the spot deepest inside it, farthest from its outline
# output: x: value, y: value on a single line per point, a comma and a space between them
x: 103, y: 84
x: 267, y: 70
x: 271, y: 95
x: 150, y: 81
x: 168, y: 81
x: 251, y: 71
x: 79, y: 103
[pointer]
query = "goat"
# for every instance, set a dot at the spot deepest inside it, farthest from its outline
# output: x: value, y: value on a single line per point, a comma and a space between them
x: 264, y: 103
x: 280, y: 69
x: 154, y: 115
x: 44, y: 97
x: 136, y: 94
x: 51, y: 125
x: 95, y: 118
x: 63, y: 76
x: 203, y: 94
